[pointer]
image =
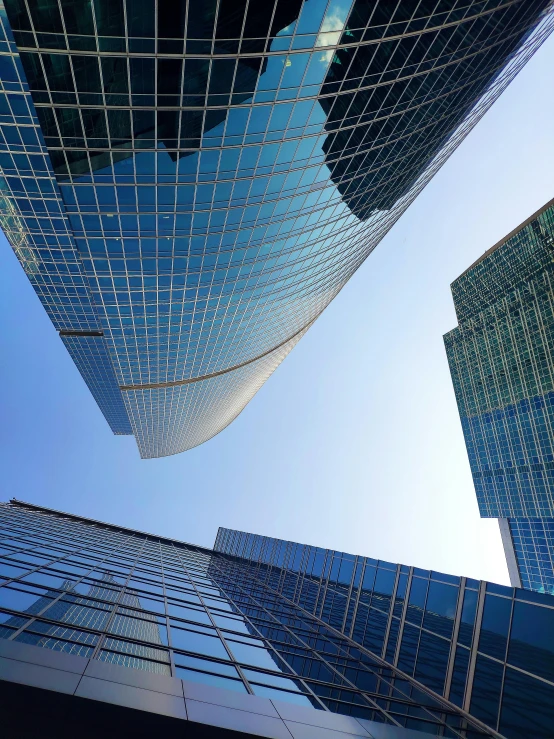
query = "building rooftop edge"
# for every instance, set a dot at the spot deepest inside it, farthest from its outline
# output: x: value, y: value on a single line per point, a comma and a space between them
x: 166, y: 539
x: 110, y: 526
x: 506, y: 238
x: 376, y: 560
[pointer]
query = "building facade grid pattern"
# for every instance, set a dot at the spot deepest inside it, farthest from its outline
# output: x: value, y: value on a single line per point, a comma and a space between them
x: 501, y: 363
x: 486, y: 647
x: 171, y: 608
x: 216, y: 172
x: 533, y: 543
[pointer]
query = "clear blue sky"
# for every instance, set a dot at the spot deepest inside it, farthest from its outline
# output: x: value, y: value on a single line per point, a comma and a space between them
x: 355, y: 442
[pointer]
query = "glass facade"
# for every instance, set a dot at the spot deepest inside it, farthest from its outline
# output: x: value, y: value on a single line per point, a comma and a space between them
x: 532, y: 540
x: 501, y: 362
x: 189, y: 184
x: 162, y: 606
x: 487, y: 648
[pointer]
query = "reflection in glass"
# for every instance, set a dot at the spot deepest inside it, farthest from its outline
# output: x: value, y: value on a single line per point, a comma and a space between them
x: 216, y: 171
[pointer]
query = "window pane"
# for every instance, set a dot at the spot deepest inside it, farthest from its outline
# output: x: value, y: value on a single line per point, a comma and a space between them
x: 275, y: 680
x: 282, y: 695
x: 196, y: 663
x: 231, y: 623
x: 20, y: 601
x: 441, y: 608
x: 204, y: 677
x: 527, y: 707
x: 191, y: 641
x: 137, y: 663
x: 485, y: 695
x: 191, y: 614
x: 58, y: 645
x: 469, y: 610
x: 252, y: 655
x: 532, y: 640
x: 494, y: 627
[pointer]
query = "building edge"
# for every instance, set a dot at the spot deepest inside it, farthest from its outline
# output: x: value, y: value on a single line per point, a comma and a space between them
x: 509, y: 551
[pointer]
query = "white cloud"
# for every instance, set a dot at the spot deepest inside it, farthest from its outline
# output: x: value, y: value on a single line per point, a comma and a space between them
x: 330, y: 32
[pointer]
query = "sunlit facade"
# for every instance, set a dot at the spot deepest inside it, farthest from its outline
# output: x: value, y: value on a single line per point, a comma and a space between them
x: 502, y: 369
x: 188, y: 185
x: 257, y: 624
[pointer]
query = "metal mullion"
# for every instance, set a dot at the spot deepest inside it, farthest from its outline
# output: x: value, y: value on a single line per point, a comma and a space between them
x: 311, y: 650
x: 391, y: 609
x: 107, y: 625
x: 454, y: 639
x: 505, y: 662
x: 221, y: 638
x: 423, y: 688
x: 224, y: 642
x: 267, y: 40
x: 328, y: 561
x: 300, y: 577
x: 394, y: 37
x: 284, y: 627
x: 48, y: 605
x: 348, y: 595
x: 166, y: 614
x: 62, y: 18
x: 298, y: 138
x: 39, y: 569
x: 474, y: 645
x: 126, y: 37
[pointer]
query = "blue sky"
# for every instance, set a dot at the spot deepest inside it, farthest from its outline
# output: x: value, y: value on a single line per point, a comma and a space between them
x: 355, y: 442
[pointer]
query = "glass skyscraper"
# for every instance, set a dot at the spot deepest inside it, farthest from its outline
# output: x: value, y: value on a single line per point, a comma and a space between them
x: 502, y: 367
x: 324, y: 643
x: 189, y: 184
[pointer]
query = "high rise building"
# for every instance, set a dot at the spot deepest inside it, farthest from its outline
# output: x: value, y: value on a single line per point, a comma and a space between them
x: 106, y: 627
x: 502, y: 366
x: 189, y: 184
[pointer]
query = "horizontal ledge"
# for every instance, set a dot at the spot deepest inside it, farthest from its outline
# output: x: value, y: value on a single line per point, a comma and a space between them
x: 191, y: 380
x: 71, y: 332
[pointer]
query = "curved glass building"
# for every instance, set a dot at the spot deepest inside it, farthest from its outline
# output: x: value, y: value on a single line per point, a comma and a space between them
x: 189, y: 183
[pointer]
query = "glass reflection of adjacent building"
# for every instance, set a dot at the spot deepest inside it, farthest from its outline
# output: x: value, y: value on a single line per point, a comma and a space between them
x: 94, y: 611
x: 485, y: 647
x: 501, y: 363
x: 439, y: 654
x: 201, y: 184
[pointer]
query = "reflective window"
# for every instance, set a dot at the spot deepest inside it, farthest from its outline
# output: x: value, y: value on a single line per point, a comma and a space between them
x: 527, y: 707
x: 209, y: 679
x: 250, y: 655
x: 467, y: 620
x: 459, y: 676
x: 192, y: 641
x: 282, y: 695
x: 494, y: 626
x: 532, y: 640
x: 440, y: 609
x: 485, y: 695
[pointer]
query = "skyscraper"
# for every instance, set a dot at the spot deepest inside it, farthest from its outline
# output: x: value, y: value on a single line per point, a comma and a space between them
x: 502, y: 367
x: 260, y: 636
x: 189, y: 184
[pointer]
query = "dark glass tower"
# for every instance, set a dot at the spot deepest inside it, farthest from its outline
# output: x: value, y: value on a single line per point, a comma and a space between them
x: 261, y: 636
x: 189, y: 184
x: 502, y: 368
x: 485, y: 647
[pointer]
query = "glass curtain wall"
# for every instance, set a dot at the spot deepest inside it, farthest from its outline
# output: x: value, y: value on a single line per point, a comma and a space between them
x: 133, y: 599
x: 485, y: 647
x: 216, y: 171
x: 501, y: 362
